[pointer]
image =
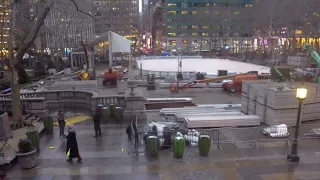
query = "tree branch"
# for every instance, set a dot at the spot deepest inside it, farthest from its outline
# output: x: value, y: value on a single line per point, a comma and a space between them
x: 79, y: 10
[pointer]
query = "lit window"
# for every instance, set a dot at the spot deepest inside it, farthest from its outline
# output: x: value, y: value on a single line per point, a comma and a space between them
x: 208, y: 4
x: 207, y: 13
x: 184, y: 27
x: 205, y: 27
x: 172, y: 5
x: 172, y: 34
x: 205, y: 34
x: 194, y: 12
x: 172, y: 12
x: 217, y: 12
x: 172, y: 27
x: 194, y: 27
x: 184, y: 12
x: 194, y: 34
x: 237, y: 12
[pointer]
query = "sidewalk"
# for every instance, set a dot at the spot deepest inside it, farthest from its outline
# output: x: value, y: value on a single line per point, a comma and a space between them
x: 10, y: 153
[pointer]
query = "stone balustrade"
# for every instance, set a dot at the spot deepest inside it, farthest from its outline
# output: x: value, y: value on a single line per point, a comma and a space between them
x: 57, y: 99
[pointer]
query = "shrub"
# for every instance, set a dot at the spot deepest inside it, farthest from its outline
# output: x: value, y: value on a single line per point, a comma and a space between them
x: 25, y: 146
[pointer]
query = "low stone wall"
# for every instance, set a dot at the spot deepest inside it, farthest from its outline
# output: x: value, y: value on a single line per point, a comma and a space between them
x: 36, y: 106
x: 55, y: 99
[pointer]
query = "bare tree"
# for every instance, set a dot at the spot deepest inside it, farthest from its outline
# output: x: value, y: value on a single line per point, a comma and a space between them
x: 27, y: 38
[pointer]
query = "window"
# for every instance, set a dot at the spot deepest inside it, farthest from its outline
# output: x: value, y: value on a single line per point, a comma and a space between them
x: 172, y: 12
x: 194, y: 12
x: 194, y: 27
x: 205, y: 34
x: 206, y: 12
x: 217, y: 12
x: 184, y: 27
x: 194, y: 34
x: 237, y: 12
x: 173, y: 42
x: 172, y: 27
x: 208, y: 4
x: 205, y: 27
x: 171, y: 34
x: 172, y: 5
x: 184, y: 12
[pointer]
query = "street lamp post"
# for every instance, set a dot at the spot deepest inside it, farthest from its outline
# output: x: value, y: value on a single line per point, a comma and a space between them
x: 293, y: 156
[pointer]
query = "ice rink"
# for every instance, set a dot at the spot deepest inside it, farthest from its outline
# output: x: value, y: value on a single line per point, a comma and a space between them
x: 210, y: 66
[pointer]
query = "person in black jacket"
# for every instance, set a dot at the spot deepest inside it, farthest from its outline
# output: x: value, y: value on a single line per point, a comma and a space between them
x: 72, y: 145
x: 96, y: 122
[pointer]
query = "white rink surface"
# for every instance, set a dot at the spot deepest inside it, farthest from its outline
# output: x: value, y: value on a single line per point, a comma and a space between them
x: 210, y: 66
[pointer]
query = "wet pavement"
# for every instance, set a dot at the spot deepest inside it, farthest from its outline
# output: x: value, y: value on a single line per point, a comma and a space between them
x: 104, y: 159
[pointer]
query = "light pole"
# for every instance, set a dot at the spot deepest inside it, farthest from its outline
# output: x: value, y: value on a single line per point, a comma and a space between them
x: 293, y: 156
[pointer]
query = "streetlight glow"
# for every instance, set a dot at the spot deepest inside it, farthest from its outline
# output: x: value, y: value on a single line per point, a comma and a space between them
x: 301, y: 93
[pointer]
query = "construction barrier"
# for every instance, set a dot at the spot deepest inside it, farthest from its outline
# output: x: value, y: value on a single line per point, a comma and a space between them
x: 250, y: 136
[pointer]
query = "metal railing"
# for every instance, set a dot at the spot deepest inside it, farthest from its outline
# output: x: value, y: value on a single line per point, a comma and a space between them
x: 254, y: 137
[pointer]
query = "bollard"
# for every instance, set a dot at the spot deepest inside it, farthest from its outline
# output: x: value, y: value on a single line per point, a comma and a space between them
x: 152, y: 146
x: 33, y: 137
x: 48, y: 125
x: 178, y: 147
x: 204, y: 145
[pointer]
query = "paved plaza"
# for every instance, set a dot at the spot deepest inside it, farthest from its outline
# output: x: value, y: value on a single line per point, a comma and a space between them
x: 104, y: 159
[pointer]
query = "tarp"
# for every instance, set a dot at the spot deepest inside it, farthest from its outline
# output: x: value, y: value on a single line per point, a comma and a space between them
x: 119, y: 43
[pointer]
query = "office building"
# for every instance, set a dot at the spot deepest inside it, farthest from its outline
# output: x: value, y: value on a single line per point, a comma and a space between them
x: 66, y: 27
x: 197, y: 25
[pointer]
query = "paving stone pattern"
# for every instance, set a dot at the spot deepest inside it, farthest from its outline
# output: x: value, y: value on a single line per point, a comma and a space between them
x: 103, y: 159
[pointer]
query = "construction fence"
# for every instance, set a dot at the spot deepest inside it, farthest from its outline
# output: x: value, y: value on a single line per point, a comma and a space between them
x: 249, y: 136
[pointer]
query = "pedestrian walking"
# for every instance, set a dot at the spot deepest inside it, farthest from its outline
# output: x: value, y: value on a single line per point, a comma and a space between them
x: 96, y: 122
x: 62, y: 123
x: 72, y: 150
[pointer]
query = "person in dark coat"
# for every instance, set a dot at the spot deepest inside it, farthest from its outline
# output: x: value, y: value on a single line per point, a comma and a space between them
x: 62, y: 123
x: 96, y: 122
x: 72, y: 145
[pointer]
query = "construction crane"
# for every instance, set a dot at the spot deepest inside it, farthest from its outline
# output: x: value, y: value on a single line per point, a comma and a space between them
x: 314, y: 56
x: 85, y: 75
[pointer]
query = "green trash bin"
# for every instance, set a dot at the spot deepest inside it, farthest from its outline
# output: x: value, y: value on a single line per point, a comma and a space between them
x: 48, y: 125
x: 152, y: 146
x: 178, y: 146
x: 112, y: 111
x: 204, y: 145
x: 33, y: 137
x: 105, y: 114
x: 118, y: 114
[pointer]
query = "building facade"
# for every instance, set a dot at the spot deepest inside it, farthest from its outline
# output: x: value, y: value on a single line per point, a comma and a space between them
x: 203, y: 25
x: 66, y: 27
x: 119, y: 16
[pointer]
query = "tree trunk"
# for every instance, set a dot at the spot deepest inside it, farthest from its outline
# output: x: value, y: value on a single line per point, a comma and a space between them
x: 15, y: 59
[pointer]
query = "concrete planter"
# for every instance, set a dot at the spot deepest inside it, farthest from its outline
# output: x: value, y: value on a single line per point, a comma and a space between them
x: 27, y: 160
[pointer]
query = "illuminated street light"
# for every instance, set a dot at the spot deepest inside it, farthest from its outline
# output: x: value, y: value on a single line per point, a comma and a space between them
x: 301, y: 95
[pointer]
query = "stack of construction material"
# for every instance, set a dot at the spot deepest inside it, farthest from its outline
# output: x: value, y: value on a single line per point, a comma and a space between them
x: 219, y: 115
x: 298, y: 61
x: 222, y: 121
x: 261, y: 100
x: 249, y: 95
x: 281, y: 105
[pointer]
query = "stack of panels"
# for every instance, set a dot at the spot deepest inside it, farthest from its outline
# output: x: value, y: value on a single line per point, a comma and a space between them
x: 310, y: 112
x: 281, y: 116
x: 298, y: 61
x: 252, y: 107
x: 222, y: 121
x: 244, y: 104
x: 254, y: 87
x: 286, y: 98
x: 231, y: 113
x: 261, y: 111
